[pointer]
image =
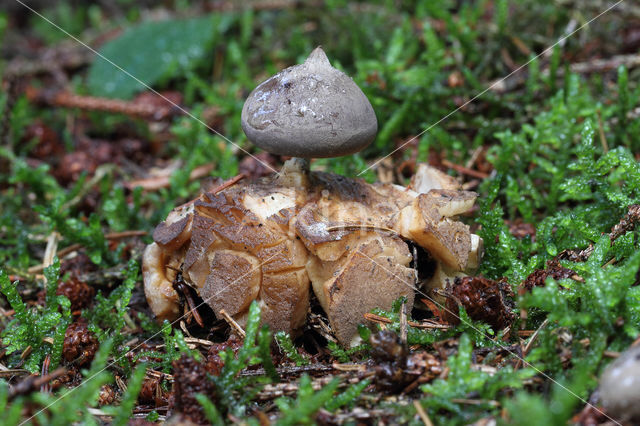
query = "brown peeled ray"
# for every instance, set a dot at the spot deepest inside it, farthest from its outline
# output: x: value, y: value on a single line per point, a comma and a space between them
x: 233, y: 282
x: 173, y: 235
x: 270, y: 242
x: 427, y: 178
x: 372, y: 275
x: 240, y: 251
x: 158, y: 283
x: 285, y: 299
x: 427, y: 221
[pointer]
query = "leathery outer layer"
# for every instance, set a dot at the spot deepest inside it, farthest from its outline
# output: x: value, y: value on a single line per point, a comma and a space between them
x: 272, y: 240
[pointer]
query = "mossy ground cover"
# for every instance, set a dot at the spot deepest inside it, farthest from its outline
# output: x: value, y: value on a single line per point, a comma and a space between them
x: 552, y: 152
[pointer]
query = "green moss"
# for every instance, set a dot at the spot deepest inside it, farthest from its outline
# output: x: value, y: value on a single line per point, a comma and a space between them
x: 307, y: 403
x: 464, y: 381
x: 33, y: 328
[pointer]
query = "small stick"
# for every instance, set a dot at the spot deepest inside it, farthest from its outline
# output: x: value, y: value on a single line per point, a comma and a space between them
x: 51, y: 249
x: 92, y: 103
x: 99, y: 174
x: 121, y: 384
x: 158, y: 182
x: 290, y: 370
x: 34, y: 382
x: 464, y: 170
x: 422, y: 413
x: 350, y: 227
x: 229, y: 183
x: 626, y: 223
x: 198, y: 341
x: 474, y: 156
x: 597, y: 66
x: 26, y: 353
x: 184, y: 328
x: 349, y: 367
x: 185, y: 290
x: 73, y: 247
x: 45, y: 370
x: 193, y: 308
x: 603, y: 138
x: 527, y: 347
x: 403, y: 323
x: 426, y: 324
x: 221, y: 187
x: 233, y: 323
x: 10, y: 372
x: 475, y: 402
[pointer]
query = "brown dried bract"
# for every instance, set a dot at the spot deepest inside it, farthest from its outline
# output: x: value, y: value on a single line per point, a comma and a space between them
x: 627, y: 223
x: 190, y: 378
x: 106, y: 396
x: 483, y: 299
x: 389, y: 356
x: 397, y: 369
x: 80, y: 344
x: 521, y: 229
x: 79, y: 293
x: 152, y: 393
x: 538, y: 277
x: 214, y: 363
x: 576, y: 255
x: 48, y: 143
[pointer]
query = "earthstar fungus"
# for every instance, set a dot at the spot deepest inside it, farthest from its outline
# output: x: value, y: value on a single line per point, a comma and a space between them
x: 275, y: 238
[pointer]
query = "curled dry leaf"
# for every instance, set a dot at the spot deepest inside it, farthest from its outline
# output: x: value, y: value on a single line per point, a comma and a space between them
x: 539, y: 277
x: 190, y: 379
x: 272, y: 239
x: 483, y: 299
x: 80, y: 345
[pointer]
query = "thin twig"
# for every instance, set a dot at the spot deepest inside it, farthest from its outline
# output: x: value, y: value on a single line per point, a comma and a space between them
x: 527, y: 347
x: 14, y: 372
x: 159, y: 182
x: 32, y: 383
x: 233, y: 323
x: 592, y: 66
x: 403, y: 323
x: 193, y: 309
x: 100, y: 173
x: 475, y: 402
x: 350, y: 227
x: 603, y: 138
x: 224, y: 185
x: 44, y: 388
x: 464, y: 170
x: 229, y: 183
x: 74, y: 247
x: 426, y: 324
x: 422, y: 413
x: 50, y: 251
x: 138, y: 109
x: 291, y: 370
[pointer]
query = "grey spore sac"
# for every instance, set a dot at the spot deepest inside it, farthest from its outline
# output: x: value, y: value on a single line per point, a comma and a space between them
x: 310, y: 110
x: 619, y: 389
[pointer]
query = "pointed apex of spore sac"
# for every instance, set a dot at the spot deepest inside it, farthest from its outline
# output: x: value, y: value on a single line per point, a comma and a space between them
x: 310, y: 110
x: 318, y: 58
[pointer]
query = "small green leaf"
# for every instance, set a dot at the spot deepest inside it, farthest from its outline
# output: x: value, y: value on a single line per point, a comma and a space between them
x: 153, y: 51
